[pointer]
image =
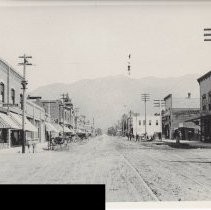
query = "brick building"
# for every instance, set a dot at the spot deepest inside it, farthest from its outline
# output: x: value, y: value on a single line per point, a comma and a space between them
x: 61, y: 113
x: 11, y: 110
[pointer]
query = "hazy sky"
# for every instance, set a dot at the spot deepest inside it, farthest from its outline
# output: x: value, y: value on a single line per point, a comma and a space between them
x: 70, y: 41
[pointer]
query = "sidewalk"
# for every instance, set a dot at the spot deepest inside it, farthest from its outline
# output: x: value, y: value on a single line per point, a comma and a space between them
x: 191, y: 143
x: 39, y: 148
x: 196, y: 144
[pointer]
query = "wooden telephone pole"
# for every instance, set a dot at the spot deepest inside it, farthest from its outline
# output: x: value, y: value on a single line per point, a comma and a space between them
x: 145, y: 97
x: 24, y: 84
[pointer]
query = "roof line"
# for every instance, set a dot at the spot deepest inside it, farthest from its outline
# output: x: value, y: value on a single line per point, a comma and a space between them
x: 11, y: 68
x: 203, y: 77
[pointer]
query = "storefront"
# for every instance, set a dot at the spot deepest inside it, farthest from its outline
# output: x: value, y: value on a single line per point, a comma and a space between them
x: 206, y: 128
x: 50, y: 131
x: 16, y: 135
x: 9, y: 131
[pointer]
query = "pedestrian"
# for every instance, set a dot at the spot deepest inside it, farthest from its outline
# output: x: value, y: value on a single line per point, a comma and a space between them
x: 33, y: 147
x: 28, y: 145
x: 178, y: 136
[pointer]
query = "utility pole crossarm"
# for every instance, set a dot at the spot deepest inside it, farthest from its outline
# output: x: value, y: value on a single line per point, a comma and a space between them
x: 207, y: 34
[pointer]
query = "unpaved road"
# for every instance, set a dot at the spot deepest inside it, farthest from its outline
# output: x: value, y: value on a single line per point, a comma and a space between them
x: 131, y: 171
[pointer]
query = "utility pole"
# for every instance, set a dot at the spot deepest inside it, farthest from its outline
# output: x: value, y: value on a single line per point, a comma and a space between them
x: 159, y: 104
x: 64, y: 96
x: 93, y: 126
x: 129, y: 66
x: 124, y: 120
x: 136, y: 115
x: 130, y: 127
x: 145, y: 97
x: 24, y: 84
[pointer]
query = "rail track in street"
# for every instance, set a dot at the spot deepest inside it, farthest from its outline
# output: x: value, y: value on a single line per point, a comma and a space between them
x: 196, y: 183
x: 164, y: 163
x: 141, y: 179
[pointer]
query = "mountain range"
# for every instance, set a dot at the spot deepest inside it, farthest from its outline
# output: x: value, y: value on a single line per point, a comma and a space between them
x: 106, y: 99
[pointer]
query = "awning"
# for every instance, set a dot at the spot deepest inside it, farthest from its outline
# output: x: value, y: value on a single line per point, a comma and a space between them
x: 79, y: 131
x: 50, y: 127
x: 58, y: 127
x: 194, y: 119
x: 28, y: 125
x: 67, y: 130
x: 7, y: 122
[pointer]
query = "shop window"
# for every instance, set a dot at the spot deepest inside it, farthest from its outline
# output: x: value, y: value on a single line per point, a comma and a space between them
x: 13, y: 96
x: 2, y: 92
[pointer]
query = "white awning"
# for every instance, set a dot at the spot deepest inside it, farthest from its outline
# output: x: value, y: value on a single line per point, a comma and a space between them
x: 7, y: 122
x: 67, y: 130
x: 58, y: 127
x: 79, y: 131
x: 50, y: 127
x: 28, y: 125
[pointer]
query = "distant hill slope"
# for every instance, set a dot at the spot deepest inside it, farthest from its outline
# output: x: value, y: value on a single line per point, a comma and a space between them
x: 103, y: 98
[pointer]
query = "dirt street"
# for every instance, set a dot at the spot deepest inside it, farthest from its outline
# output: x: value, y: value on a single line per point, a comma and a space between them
x: 131, y: 171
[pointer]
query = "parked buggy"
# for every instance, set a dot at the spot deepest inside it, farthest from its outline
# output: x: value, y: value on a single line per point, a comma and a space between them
x: 82, y: 135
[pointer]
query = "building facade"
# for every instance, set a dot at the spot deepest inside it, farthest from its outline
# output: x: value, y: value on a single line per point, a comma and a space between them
x: 60, y: 112
x: 205, y: 106
x: 153, y: 125
x: 11, y: 109
x: 176, y: 114
x: 37, y: 116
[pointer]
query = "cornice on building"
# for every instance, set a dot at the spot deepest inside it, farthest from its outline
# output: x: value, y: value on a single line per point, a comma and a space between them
x: 204, y: 77
x: 11, y: 68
